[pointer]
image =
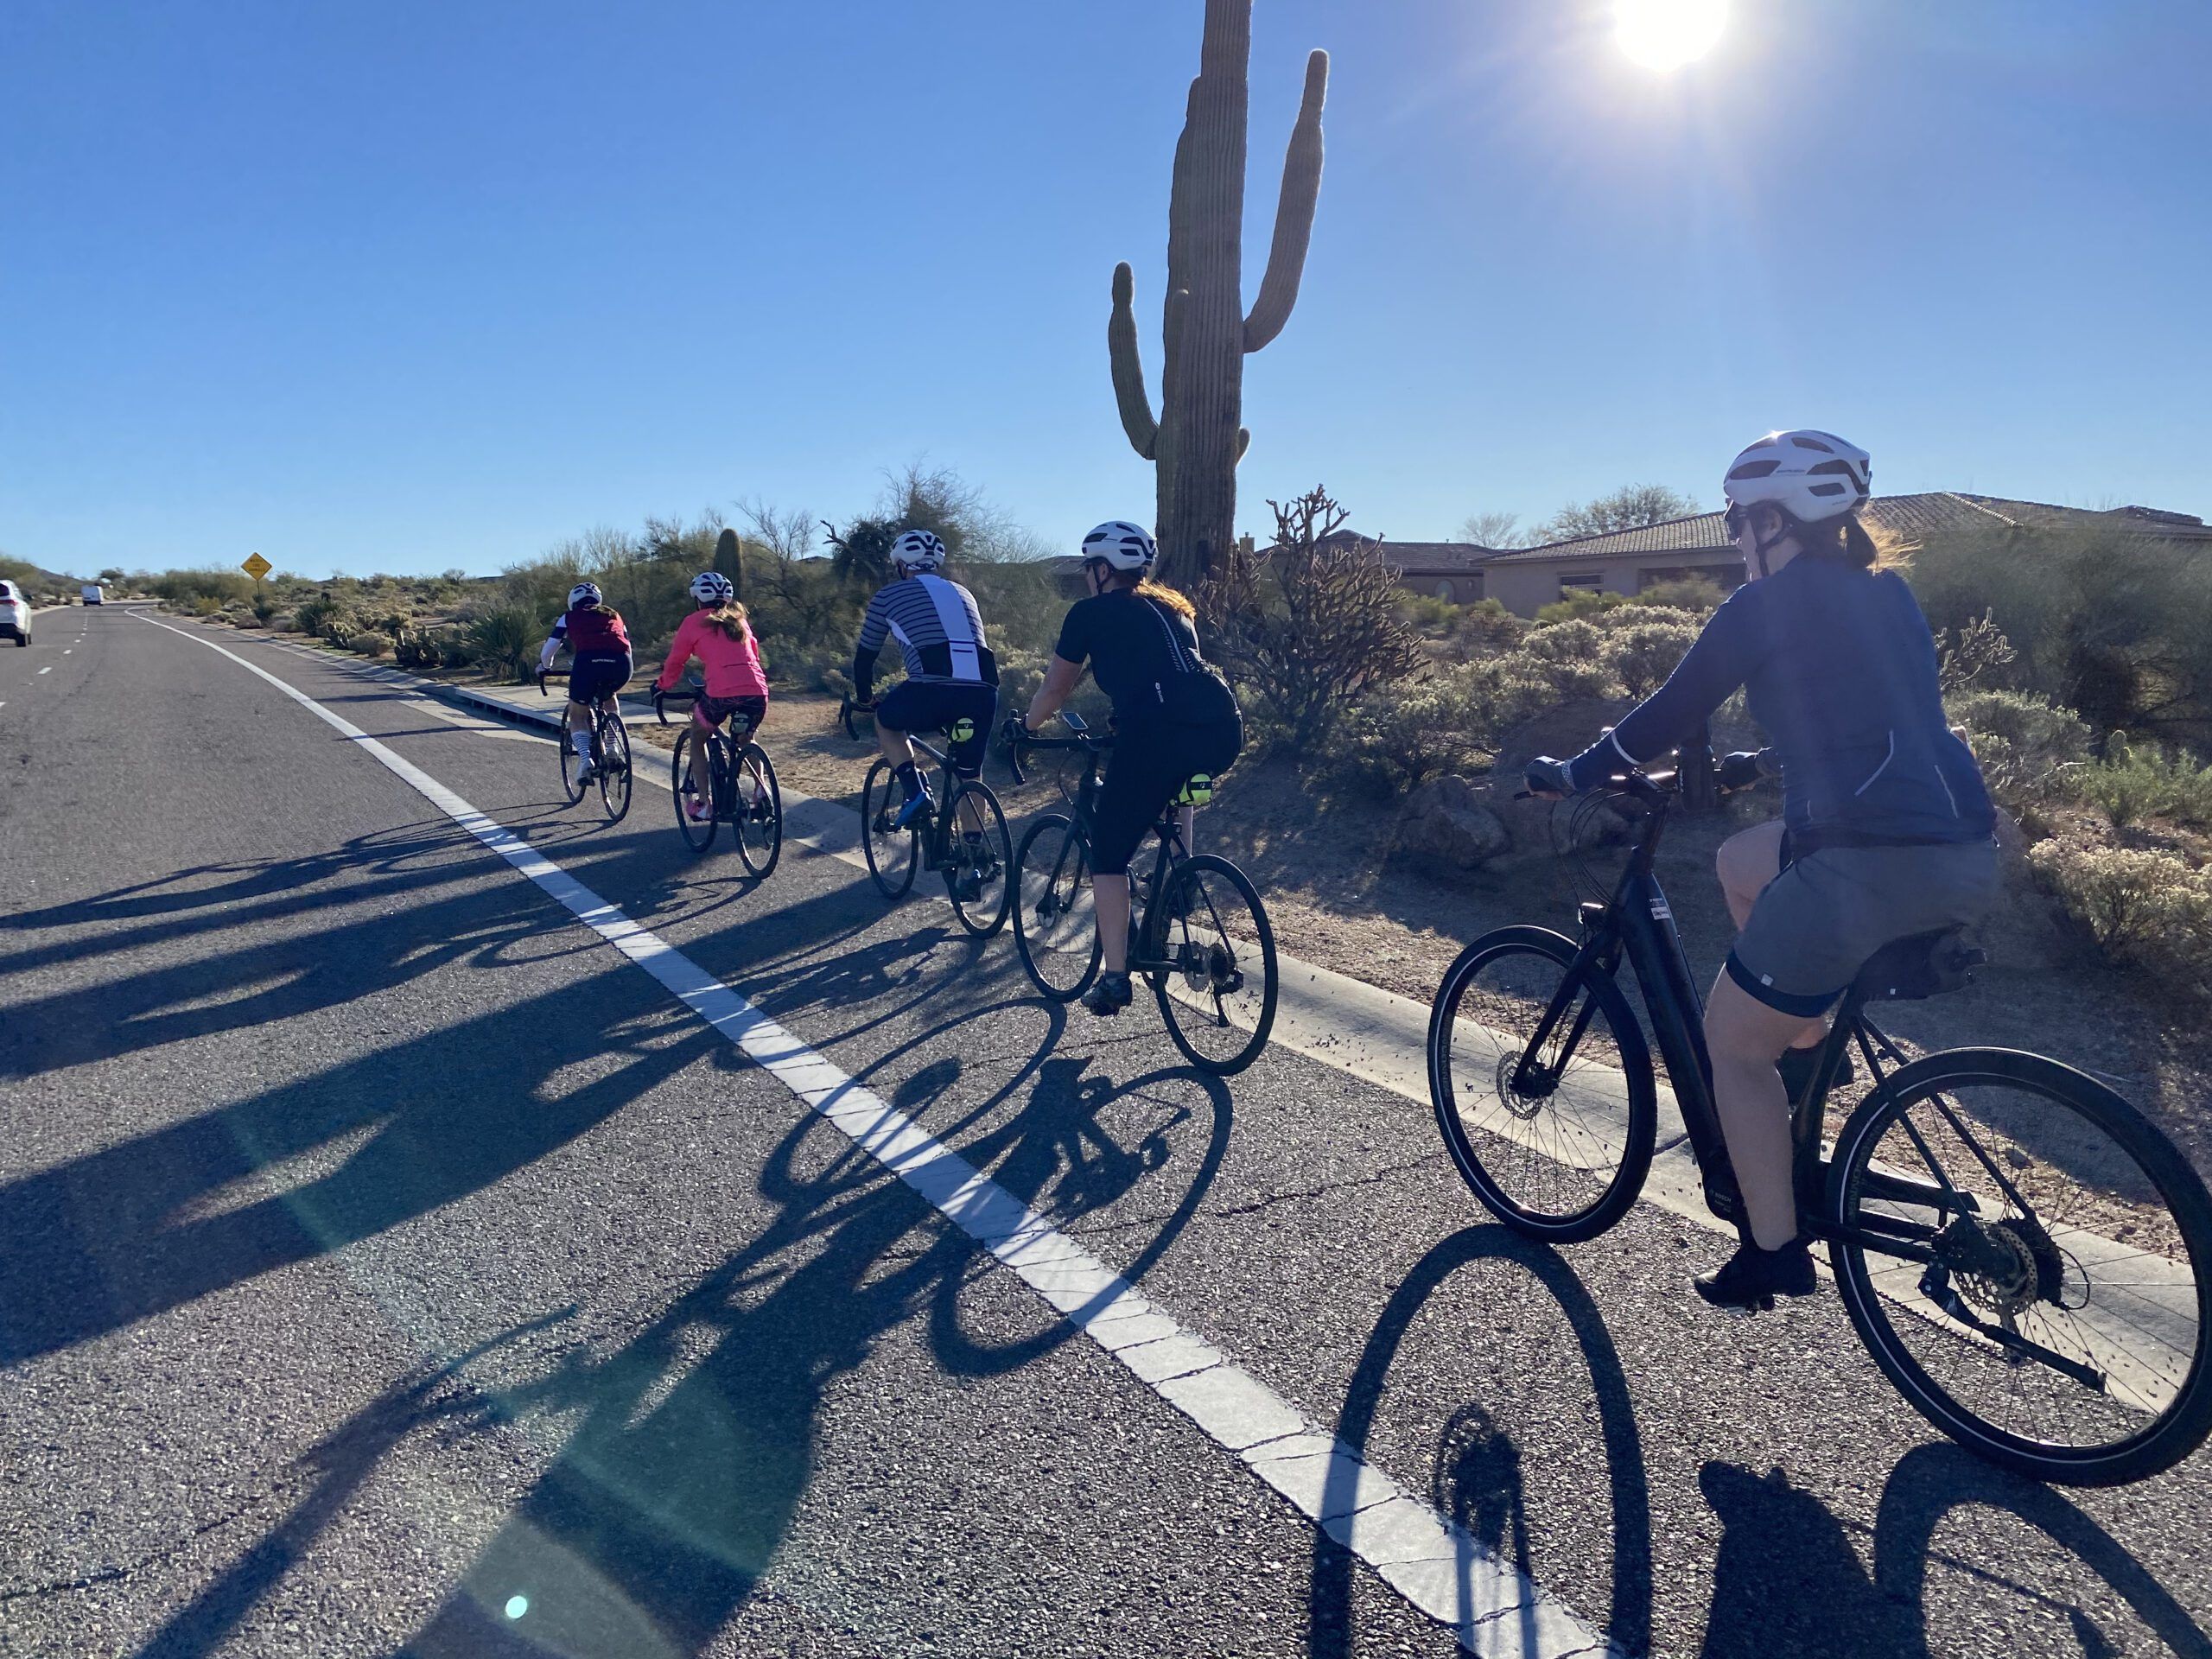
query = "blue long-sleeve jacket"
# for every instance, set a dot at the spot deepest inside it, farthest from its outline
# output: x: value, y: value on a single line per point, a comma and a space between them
x: 1839, y: 670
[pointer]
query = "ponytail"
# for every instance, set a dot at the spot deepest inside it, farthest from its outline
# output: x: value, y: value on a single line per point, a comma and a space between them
x: 1845, y: 540
x: 1162, y: 593
x: 729, y: 617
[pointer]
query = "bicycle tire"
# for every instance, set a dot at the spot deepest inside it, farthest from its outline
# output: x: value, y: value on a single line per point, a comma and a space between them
x: 613, y: 750
x: 564, y: 741
x: 1218, y: 948
x: 883, y: 847
x: 2155, y: 1299
x: 985, y: 914
x: 760, y: 839
x: 1612, y: 1128
x: 698, y: 833
x: 1052, y: 914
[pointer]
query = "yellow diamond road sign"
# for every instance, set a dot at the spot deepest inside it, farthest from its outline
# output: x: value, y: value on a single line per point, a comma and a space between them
x: 257, y: 566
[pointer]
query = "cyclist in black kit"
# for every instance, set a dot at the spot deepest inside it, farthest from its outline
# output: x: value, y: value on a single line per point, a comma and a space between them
x: 1174, y: 719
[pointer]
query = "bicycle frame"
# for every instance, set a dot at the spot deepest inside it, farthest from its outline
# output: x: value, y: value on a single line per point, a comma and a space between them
x: 1167, y: 833
x: 1638, y: 924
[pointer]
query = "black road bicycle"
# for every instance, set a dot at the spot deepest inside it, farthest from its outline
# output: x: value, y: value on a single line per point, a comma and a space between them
x: 2022, y: 1252
x: 961, y: 834
x: 1197, y: 931
x: 738, y: 790
x: 610, y: 753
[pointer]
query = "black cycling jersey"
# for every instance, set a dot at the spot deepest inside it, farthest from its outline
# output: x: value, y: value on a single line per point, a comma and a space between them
x: 1145, y: 657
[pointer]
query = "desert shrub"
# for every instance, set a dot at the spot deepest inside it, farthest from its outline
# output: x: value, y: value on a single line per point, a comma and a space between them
x: 263, y: 605
x: 1641, y: 654
x: 811, y: 668
x: 326, y: 617
x: 433, y: 648
x: 1977, y: 654
x: 183, y: 589
x: 2143, y: 781
x: 1576, y: 603
x: 2144, y: 910
x: 1393, y: 741
x: 1692, y: 593
x: 202, y: 605
x: 504, y: 639
x: 2026, y: 744
x: 1307, y: 624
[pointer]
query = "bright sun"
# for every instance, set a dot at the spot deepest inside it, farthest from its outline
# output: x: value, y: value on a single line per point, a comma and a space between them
x: 1668, y: 33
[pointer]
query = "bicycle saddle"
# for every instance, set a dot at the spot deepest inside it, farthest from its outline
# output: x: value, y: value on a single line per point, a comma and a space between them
x: 1919, y: 965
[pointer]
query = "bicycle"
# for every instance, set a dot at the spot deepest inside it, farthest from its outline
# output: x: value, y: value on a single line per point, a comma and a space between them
x: 973, y: 862
x: 1199, y: 953
x: 610, y: 753
x: 741, y: 789
x: 2016, y: 1245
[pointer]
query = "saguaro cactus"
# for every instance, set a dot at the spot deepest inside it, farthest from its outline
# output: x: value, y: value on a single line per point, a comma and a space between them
x: 729, y: 559
x: 1199, y: 437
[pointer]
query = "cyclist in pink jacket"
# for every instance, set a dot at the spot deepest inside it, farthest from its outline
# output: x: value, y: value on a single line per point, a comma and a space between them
x: 719, y: 636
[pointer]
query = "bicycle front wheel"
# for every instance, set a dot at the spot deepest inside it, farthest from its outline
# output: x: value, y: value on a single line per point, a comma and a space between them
x: 2025, y: 1257
x: 893, y: 854
x: 614, y: 768
x: 977, y: 876
x: 1554, y: 1136
x: 572, y: 764
x: 756, y: 810
x: 691, y: 778
x: 1055, y: 928
x: 1217, y: 986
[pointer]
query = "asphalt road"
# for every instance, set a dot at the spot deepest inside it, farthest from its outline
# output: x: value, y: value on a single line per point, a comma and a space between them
x: 388, y: 1263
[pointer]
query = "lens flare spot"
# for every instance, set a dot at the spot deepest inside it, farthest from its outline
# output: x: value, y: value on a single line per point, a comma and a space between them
x: 517, y: 1605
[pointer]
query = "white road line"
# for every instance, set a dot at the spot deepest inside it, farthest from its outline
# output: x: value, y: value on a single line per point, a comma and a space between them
x: 48, y: 669
x: 1490, y: 1604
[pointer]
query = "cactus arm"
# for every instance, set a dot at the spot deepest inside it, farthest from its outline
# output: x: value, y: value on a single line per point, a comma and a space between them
x: 1128, y: 367
x: 1244, y: 440
x: 1301, y: 188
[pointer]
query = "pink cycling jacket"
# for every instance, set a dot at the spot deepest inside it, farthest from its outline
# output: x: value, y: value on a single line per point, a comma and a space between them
x: 733, y: 665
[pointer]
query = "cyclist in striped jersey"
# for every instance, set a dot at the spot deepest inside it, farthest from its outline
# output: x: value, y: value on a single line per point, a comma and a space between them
x: 951, y: 676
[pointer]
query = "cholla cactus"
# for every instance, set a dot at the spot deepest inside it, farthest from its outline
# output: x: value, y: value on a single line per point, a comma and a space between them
x: 1198, y: 439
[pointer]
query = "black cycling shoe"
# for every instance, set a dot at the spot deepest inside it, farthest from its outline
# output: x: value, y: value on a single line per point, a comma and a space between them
x: 1797, y: 1067
x: 1752, y: 1278
x: 1109, y: 995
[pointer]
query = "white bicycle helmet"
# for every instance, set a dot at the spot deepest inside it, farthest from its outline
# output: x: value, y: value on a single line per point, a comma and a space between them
x: 917, y: 549
x: 712, y: 587
x: 1809, y: 476
x: 1121, y: 545
x: 584, y: 593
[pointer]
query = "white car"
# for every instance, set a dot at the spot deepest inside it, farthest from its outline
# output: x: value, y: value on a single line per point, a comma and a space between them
x: 91, y: 593
x: 15, y: 614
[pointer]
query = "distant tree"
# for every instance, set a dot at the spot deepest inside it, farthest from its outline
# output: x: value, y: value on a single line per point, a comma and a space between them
x: 1495, y: 529
x: 1631, y: 508
x: 917, y: 497
x: 861, y: 551
x: 112, y: 574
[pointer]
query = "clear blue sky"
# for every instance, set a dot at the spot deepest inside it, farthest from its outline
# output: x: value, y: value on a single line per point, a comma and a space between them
x: 405, y: 286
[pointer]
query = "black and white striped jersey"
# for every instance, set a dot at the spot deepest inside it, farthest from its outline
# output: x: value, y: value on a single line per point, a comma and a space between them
x: 939, y: 631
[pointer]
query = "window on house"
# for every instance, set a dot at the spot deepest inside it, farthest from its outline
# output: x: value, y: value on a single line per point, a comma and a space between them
x: 1444, y: 592
x: 1726, y: 577
x: 1589, y: 580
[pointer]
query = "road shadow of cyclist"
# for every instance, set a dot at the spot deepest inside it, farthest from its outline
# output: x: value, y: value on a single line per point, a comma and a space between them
x: 1476, y: 1478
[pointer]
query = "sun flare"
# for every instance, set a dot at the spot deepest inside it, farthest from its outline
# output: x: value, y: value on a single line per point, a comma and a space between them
x: 1667, y: 33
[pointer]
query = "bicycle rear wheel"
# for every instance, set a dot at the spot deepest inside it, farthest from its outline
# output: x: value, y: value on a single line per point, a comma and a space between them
x: 613, y: 767
x: 2053, y: 1311
x: 893, y: 854
x: 757, y: 806
x: 977, y: 875
x: 691, y: 778
x: 1554, y: 1138
x: 1055, y: 928
x: 1218, y: 994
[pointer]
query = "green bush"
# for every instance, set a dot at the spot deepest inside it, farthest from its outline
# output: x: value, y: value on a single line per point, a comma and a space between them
x: 1577, y: 603
x: 504, y: 639
x: 1393, y: 741
x: 1692, y: 593
x: 1643, y: 653
x: 326, y: 617
x: 2144, y: 910
x: 2142, y: 780
x: 2026, y: 744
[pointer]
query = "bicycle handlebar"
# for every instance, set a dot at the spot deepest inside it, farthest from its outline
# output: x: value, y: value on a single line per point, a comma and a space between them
x: 545, y: 674
x: 1020, y: 739
x: 689, y: 691
x: 846, y: 709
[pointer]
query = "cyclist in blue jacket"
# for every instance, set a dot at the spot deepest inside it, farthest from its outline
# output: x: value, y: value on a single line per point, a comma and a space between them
x: 1886, y: 829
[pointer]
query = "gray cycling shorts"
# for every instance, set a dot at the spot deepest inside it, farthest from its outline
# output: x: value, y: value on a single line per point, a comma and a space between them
x: 1815, y: 925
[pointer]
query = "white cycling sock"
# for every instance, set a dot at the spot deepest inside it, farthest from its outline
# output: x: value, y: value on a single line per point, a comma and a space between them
x: 581, y: 740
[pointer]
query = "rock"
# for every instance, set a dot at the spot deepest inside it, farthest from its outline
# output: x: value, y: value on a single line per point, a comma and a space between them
x: 1450, y: 822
